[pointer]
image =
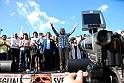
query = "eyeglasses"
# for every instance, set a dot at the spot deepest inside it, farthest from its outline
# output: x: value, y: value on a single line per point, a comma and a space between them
x: 43, y: 78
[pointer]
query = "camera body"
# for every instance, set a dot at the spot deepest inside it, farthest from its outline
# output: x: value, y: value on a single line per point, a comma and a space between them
x: 105, y: 55
x: 104, y: 50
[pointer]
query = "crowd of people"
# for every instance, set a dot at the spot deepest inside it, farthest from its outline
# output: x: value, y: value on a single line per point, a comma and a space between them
x: 43, y: 52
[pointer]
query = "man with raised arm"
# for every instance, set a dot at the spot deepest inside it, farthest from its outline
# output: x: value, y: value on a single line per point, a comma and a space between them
x: 63, y: 45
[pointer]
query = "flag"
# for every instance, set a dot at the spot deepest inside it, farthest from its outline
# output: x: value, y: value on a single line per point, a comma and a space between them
x: 21, y: 33
x: 29, y: 35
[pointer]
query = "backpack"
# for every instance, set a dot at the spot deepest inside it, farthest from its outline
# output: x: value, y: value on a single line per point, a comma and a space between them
x: 33, y: 49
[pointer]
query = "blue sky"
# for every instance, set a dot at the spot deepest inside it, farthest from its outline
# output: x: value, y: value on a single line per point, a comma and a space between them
x: 35, y: 15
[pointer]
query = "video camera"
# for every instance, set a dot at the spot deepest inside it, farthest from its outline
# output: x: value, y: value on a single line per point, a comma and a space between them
x: 104, y: 50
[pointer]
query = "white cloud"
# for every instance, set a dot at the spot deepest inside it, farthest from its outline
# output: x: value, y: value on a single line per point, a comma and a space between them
x: 103, y: 8
x: 7, y: 2
x: 72, y: 17
x: 19, y: 4
x: 33, y: 4
x: 62, y: 22
x: 35, y: 17
x: 44, y: 15
x: 22, y: 8
x: 12, y: 14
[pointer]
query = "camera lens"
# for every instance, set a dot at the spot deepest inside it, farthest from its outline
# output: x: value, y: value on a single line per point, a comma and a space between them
x: 102, y: 37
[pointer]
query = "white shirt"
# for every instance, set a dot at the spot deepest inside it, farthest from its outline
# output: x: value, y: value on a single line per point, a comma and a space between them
x: 15, y: 43
x: 34, y: 39
x: 26, y: 43
x: 48, y: 44
x: 73, y: 52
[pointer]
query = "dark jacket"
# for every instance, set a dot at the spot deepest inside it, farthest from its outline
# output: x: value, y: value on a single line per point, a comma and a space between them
x: 52, y: 46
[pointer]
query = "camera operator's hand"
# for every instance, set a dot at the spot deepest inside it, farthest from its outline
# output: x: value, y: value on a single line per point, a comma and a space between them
x: 75, y: 77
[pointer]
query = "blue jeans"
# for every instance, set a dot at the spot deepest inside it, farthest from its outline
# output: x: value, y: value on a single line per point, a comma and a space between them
x: 3, y: 56
x: 23, y: 63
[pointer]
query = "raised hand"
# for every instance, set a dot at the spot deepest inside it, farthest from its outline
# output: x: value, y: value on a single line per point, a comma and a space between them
x: 51, y: 25
x: 75, y: 25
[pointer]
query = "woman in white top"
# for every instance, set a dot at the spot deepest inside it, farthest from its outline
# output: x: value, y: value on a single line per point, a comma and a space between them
x: 14, y: 47
x: 75, y: 51
x: 34, y: 50
x: 24, y: 52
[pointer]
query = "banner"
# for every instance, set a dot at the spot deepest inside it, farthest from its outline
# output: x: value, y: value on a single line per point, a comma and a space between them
x: 33, y: 78
x: 58, y: 77
x: 9, y: 78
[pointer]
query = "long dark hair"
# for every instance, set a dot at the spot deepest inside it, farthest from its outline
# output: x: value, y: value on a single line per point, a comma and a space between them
x: 27, y: 36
